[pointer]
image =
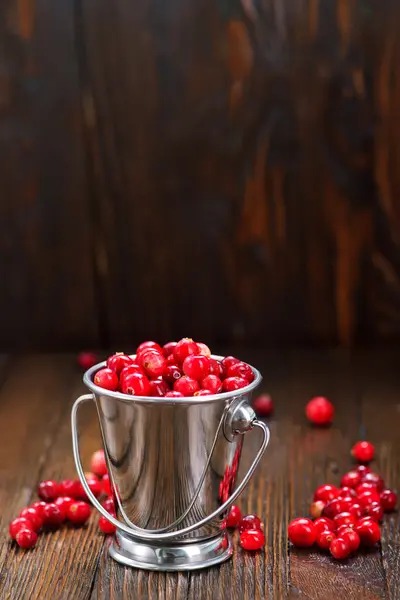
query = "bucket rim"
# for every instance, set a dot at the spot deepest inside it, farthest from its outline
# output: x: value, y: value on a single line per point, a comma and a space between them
x: 99, y: 391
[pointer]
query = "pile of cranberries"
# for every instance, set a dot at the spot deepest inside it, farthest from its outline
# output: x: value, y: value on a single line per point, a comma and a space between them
x: 348, y: 516
x: 64, y: 501
x: 176, y: 370
x: 250, y: 529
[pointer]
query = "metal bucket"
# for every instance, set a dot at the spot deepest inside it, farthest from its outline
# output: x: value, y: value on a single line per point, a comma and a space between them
x: 172, y: 464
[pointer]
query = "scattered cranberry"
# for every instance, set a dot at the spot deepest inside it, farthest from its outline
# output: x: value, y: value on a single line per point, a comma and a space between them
x: 172, y: 373
x: 119, y: 361
x: 347, y: 492
x: 18, y: 524
x: 107, y: 379
x: 234, y: 516
x: 324, y: 539
x: 365, y: 487
x: 54, y: 515
x: 363, y: 452
x: 216, y: 368
x: 39, y: 506
x: 369, y: 531
x: 367, y: 497
x: 168, y: 349
x: 95, y: 486
x: 249, y: 522
x: 105, y: 526
x: 352, y: 538
x: 173, y: 394
x: 34, y: 516
x: 240, y: 369
x: 335, y: 507
x: 78, y: 513
x: 148, y: 346
x: 136, y: 384
x: 351, y: 479
x: 319, y: 411
x: 326, y: 493
x: 186, y: 386
x: 344, y: 518
x: 374, y: 510
x: 48, y: 490
x: 252, y: 539
x: 342, y: 529
x: 185, y: 348
x: 375, y: 480
x: 106, y: 484
x: 234, y: 383
x: 357, y: 510
x: 26, y: 538
x: 340, y: 549
x: 71, y: 488
x: 98, y: 463
x: 63, y: 503
x: 363, y: 470
x: 212, y: 383
x: 317, y: 508
x: 388, y: 499
x: 323, y: 524
x: 203, y: 349
x: 263, y: 405
x: 228, y: 361
x: 302, y: 533
x: 86, y: 360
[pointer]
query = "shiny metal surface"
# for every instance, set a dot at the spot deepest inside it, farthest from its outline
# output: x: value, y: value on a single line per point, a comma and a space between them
x: 173, y: 465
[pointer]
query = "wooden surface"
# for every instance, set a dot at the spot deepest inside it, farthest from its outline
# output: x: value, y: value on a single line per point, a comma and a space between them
x: 235, y: 160
x: 35, y: 400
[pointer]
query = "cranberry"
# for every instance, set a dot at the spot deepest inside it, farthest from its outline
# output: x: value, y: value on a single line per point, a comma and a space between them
x: 335, y: 507
x: 184, y: 348
x: 203, y: 349
x: 316, y: 509
x: 136, y: 384
x: 323, y: 524
x: 347, y: 492
x: 95, y: 486
x: 54, y: 515
x: 342, y: 528
x: 98, y: 463
x: 153, y: 363
x: 172, y: 373
x: 374, y: 510
x: 324, y: 539
x: 119, y: 361
x: 174, y: 395
x: 234, y: 516
x: 228, y: 361
x: 148, y: 346
x: 233, y: 383
x: 203, y: 393
x: 319, y: 411
x: 86, y: 360
x: 170, y: 360
x: 356, y: 509
x: 363, y: 470
x: 388, y: 500
x: 351, y: 479
x: 168, y: 349
x: 69, y: 487
x: 365, y: 487
x: 48, y: 490
x: 18, y: 524
x: 369, y: 531
x: 159, y: 387
x: 196, y: 366
x: 375, y: 480
x: 351, y: 537
x: 39, y: 506
x: 340, y: 549
x: 105, y: 526
x: 109, y: 505
x: 107, y: 379
x: 63, y: 504
x: 326, y: 493
x: 216, y: 368
x: 249, y: 522
x: 212, y: 383
x: 252, y: 539
x: 79, y: 512
x: 363, y: 452
x: 105, y: 482
x: 133, y: 368
x: 240, y: 369
x: 186, y: 386
x: 34, y: 516
x: 344, y: 518
x: 302, y: 533
x: 263, y: 405
x: 26, y: 538
x: 367, y: 497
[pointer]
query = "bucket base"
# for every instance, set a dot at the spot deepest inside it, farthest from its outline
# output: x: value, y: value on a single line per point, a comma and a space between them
x: 191, y: 556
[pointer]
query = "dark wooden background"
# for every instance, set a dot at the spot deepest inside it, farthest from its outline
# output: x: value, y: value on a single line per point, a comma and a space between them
x: 228, y: 169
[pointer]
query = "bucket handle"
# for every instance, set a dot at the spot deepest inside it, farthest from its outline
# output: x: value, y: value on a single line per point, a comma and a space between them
x: 137, y: 531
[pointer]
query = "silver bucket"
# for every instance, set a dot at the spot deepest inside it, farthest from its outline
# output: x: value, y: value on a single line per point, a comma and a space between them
x: 172, y: 464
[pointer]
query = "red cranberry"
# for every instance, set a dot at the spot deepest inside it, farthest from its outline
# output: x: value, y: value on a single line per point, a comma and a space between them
x: 351, y: 537
x: 186, y: 386
x: 316, y: 509
x: 158, y: 388
x: 203, y: 393
x: 302, y: 533
x: 174, y: 395
x: 388, y: 500
x: 105, y: 526
x: 263, y: 405
x: 319, y: 411
x: 54, y: 515
x: 132, y: 368
x: 203, y: 349
x: 95, y: 486
x: 375, y: 480
x: 216, y: 368
x: 168, y: 349
x: 148, y: 346
x: 39, y: 506
x: 212, y: 383
x: 106, y: 484
x: 340, y: 549
x: 48, y: 490
x: 342, y: 528
x: 136, y: 384
x: 351, y: 479
x: 71, y: 488
x: 34, y: 516
x: 234, y: 516
x: 228, y: 361
x: 170, y: 360
x: 172, y: 373
x: 365, y: 487
x: 240, y: 369
x: 252, y: 539
x: 324, y: 539
x: 249, y: 522
x: 18, y: 524
x: 369, y: 531
x: 326, y: 493
x: 153, y: 363
x: 109, y: 505
x: 347, y: 492
x: 107, y: 379
x: 234, y: 383
x: 86, y: 360
x: 374, y: 510
x: 98, y: 463
x: 368, y: 497
x: 26, y: 538
x: 63, y: 504
x: 363, y: 470
x: 335, y: 507
x: 357, y: 510
x: 119, y: 361
x: 323, y: 524
x: 79, y: 512
x: 344, y: 518
x: 363, y: 452
x: 184, y: 348
x: 196, y: 366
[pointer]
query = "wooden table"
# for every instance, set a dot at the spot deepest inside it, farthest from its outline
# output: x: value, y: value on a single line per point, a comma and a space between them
x: 35, y: 401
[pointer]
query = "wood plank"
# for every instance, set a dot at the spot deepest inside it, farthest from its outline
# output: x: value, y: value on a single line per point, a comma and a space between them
x: 35, y: 407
